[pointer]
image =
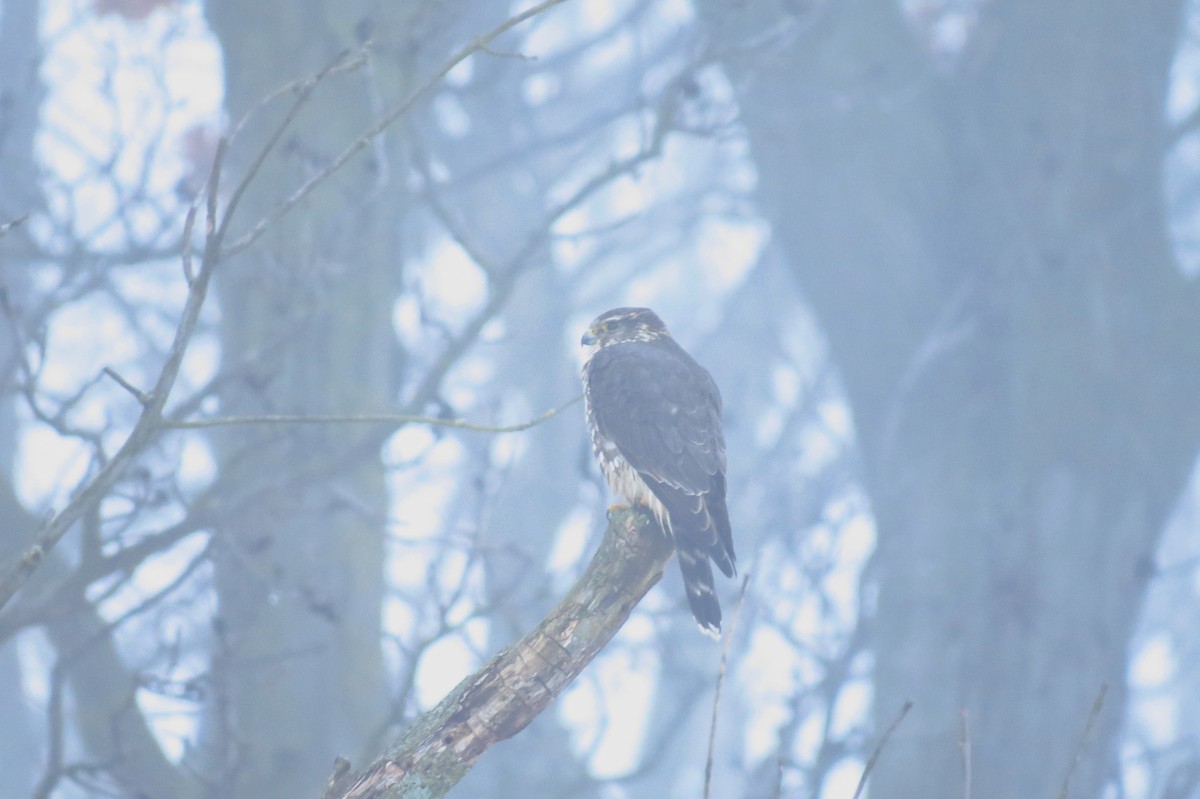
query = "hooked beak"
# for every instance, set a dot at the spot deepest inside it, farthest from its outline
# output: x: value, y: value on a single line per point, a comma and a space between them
x: 588, y: 339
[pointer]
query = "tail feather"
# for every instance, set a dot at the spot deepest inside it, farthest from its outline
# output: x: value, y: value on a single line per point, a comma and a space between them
x: 698, y: 524
x: 722, y: 551
x: 698, y: 586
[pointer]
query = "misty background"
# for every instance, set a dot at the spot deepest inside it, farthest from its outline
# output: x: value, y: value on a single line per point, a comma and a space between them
x: 939, y: 255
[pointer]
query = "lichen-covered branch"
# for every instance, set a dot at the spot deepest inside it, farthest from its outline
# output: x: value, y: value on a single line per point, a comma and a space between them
x: 504, y: 696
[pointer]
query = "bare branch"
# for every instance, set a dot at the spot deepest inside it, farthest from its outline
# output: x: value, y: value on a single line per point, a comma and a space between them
x: 367, y: 418
x: 1097, y: 704
x: 7, y: 226
x: 479, y: 44
x: 874, y: 758
x: 964, y: 743
x: 503, y: 697
x: 304, y: 90
x: 137, y: 393
x: 188, y: 225
x: 712, y: 729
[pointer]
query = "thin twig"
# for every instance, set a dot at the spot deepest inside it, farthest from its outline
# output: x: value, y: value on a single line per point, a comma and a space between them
x: 502, y: 54
x: 137, y: 393
x: 189, y: 224
x: 874, y: 758
x: 477, y: 45
x: 1097, y: 704
x: 304, y: 90
x: 964, y: 744
x: 214, y: 184
x: 366, y: 418
x: 7, y: 226
x: 712, y: 728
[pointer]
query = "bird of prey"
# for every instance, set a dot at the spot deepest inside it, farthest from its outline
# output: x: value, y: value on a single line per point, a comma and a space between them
x: 655, y: 419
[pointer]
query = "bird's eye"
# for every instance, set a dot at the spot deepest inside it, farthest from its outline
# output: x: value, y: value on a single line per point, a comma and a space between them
x: 606, y: 326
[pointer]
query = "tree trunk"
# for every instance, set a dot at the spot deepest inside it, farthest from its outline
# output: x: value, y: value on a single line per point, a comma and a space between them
x: 306, y: 330
x: 987, y: 251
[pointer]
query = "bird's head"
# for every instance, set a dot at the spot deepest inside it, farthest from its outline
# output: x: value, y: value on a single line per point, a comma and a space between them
x: 621, y: 325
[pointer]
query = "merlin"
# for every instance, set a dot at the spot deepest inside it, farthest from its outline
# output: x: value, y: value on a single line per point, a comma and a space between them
x: 655, y: 419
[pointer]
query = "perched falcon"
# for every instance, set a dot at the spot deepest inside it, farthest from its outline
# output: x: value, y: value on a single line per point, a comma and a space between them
x: 655, y: 418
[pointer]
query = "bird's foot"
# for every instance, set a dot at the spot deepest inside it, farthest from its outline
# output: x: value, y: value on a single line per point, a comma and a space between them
x: 616, y: 507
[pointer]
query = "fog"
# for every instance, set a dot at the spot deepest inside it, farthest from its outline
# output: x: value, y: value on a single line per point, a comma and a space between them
x: 293, y: 465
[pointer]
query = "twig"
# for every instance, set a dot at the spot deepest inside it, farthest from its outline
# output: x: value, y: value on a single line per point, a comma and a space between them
x: 366, y: 418
x: 862, y: 781
x: 712, y: 728
x: 304, y: 90
x: 214, y: 185
x: 964, y: 743
x: 501, y: 54
x: 137, y: 393
x: 7, y: 226
x: 478, y: 45
x: 1097, y: 704
x: 188, y: 225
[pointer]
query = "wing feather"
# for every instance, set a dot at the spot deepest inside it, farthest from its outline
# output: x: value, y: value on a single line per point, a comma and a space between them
x: 662, y: 410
